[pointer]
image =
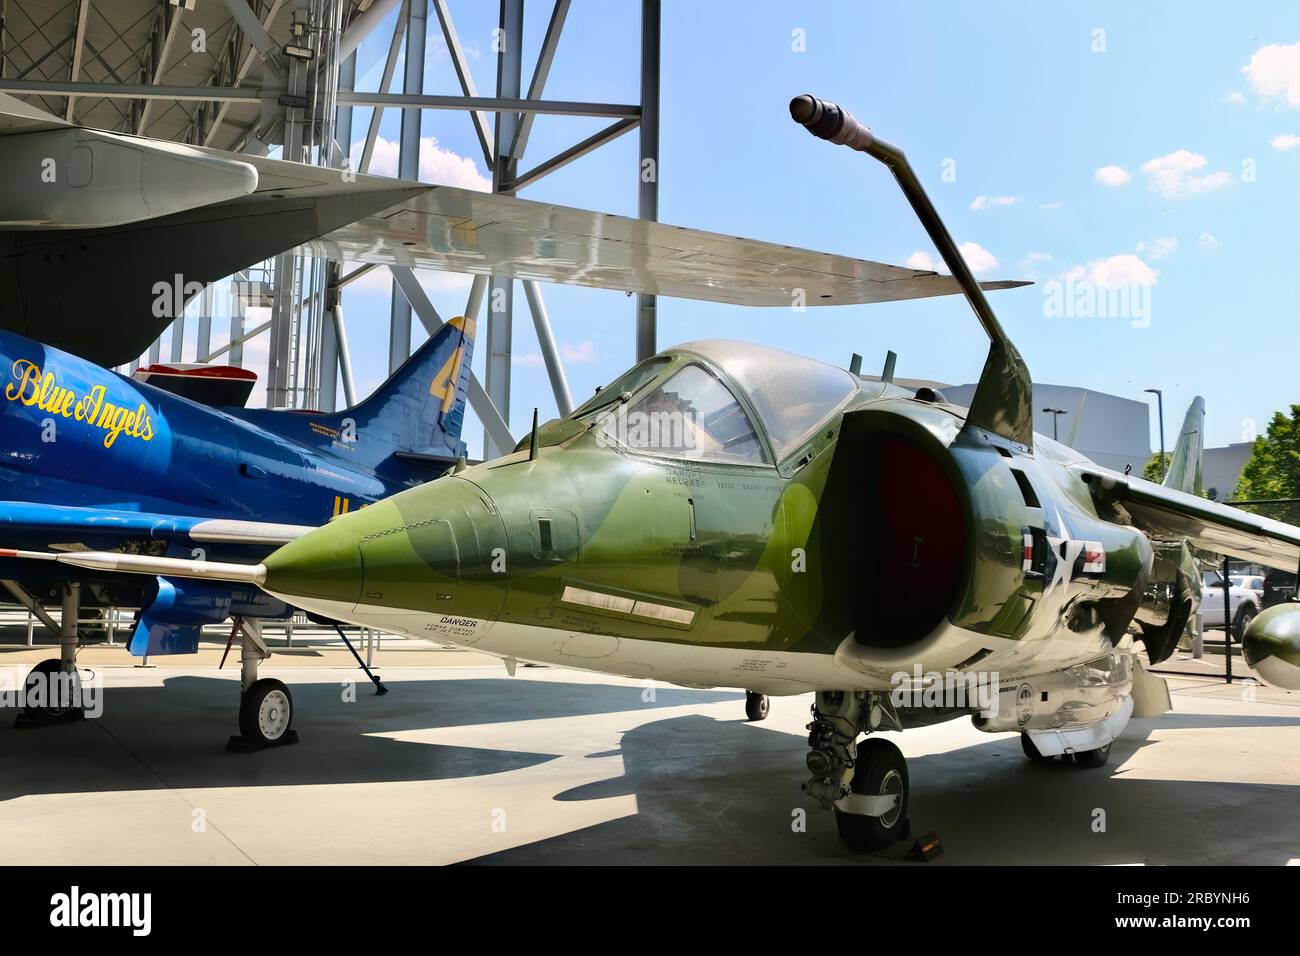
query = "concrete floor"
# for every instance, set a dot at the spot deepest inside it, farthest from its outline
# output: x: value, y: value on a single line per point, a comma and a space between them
x: 462, y: 763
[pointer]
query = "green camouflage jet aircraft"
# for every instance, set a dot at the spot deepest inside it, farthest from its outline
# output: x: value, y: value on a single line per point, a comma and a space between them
x: 729, y: 515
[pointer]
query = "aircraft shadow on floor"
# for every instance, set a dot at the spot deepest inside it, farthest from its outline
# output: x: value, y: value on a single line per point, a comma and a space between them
x: 174, y: 735
x: 723, y: 791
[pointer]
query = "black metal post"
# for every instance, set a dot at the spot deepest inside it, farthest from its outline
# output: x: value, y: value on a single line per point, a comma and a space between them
x: 1227, y: 620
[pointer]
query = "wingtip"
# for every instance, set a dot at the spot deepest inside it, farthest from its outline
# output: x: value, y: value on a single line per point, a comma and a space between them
x: 996, y: 285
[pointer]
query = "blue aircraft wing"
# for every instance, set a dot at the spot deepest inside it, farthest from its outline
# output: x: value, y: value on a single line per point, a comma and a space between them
x: 106, y: 529
x: 171, y: 622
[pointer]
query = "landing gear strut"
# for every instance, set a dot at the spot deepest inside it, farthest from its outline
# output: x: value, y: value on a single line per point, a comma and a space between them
x: 265, y: 705
x: 865, y: 786
x: 52, y: 691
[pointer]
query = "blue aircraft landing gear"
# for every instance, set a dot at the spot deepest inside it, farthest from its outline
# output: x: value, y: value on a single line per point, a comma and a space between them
x: 265, y: 705
x: 52, y: 690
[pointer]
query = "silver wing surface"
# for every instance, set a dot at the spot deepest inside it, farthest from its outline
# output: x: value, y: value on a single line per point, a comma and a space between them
x: 1207, y: 524
x: 460, y: 230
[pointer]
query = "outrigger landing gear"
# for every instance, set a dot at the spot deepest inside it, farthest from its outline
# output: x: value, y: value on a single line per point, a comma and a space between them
x: 1082, y: 758
x: 265, y: 705
x: 865, y: 786
x: 756, y: 705
x: 52, y: 691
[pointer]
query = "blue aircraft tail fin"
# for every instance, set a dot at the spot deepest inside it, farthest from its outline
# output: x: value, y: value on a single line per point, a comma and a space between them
x: 421, y: 408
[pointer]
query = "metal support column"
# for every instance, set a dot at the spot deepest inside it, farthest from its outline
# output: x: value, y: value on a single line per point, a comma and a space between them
x: 204, y: 345
x: 546, y: 342
x: 238, y: 287
x: 178, y: 338
x: 500, y: 310
x: 648, y: 204
x: 408, y: 166
x: 329, y: 349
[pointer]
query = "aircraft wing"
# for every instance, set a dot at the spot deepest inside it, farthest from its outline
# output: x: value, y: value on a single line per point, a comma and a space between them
x: 461, y: 230
x: 132, y: 216
x: 66, y: 528
x: 1215, y: 527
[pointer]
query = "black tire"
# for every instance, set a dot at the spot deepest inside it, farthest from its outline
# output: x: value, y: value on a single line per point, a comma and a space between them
x: 756, y: 705
x: 1245, y: 614
x: 881, y: 769
x: 1092, y: 758
x: 266, y: 713
x: 37, y: 687
x: 1032, y: 751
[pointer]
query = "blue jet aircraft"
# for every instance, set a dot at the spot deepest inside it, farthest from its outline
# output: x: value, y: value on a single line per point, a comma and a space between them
x: 93, y: 460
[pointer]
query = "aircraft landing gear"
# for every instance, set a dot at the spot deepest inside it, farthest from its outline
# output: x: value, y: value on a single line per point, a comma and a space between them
x: 52, y: 690
x: 756, y: 705
x: 880, y: 788
x: 265, y: 705
x: 865, y: 786
x: 1082, y: 758
x: 265, y: 713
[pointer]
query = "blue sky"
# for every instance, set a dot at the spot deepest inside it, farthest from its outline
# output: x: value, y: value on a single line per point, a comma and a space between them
x: 1164, y: 150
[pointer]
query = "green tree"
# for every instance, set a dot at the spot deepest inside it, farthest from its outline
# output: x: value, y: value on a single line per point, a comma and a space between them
x: 1273, y: 470
x: 1152, y: 470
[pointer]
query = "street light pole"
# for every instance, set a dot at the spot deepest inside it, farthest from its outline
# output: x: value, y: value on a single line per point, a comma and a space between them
x: 1056, y: 413
x: 1160, y: 405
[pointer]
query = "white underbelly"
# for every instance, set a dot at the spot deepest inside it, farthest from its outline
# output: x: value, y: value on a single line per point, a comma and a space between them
x: 777, y: 673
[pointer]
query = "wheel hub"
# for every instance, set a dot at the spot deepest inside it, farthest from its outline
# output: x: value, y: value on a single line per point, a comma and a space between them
x: 273, y: 715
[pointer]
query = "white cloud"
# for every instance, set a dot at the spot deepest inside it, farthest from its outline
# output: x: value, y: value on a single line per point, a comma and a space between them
x: 1115, y: 271
x: 1112, y: 176
x: 977, y: 257
x: 1049, y: 206
x: 1285, y: 141
x: 437, y: 165
x: 988, y: 202
x: 584, y: 351
x: 1173, y: 175
x: 1235, y: 98
x: 1039, y: 256
x: 1207, y: 242
x: 1274, y: 71
x: 576, y: 352
x: 1158, y: 248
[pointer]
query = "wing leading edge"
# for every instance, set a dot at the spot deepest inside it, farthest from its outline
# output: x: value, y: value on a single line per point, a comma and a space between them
x: 461, y: 230
x: 1207, y: 524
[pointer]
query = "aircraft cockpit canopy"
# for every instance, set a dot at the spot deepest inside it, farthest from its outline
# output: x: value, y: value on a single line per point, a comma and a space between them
x: 790, y: 394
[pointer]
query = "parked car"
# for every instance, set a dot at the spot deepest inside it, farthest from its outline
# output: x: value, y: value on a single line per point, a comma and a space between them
x: 1279, y: 586
x: 1244, y: 604
x: 1251, y: 582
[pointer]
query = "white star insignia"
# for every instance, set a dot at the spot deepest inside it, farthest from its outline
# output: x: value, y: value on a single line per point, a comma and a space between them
x: 1067, y: 552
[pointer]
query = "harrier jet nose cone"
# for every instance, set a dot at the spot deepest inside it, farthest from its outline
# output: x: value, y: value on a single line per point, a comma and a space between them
x: 325, y: 563
x: 1272, y: 645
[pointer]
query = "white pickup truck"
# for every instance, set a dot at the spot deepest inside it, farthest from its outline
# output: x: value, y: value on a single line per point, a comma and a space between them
x: 1244, y: 604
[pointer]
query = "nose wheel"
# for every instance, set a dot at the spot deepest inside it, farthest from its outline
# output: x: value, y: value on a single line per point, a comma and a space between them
x: 756, y: 705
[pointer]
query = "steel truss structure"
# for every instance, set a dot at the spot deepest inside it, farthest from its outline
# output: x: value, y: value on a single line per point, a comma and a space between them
x: 254, y: 75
